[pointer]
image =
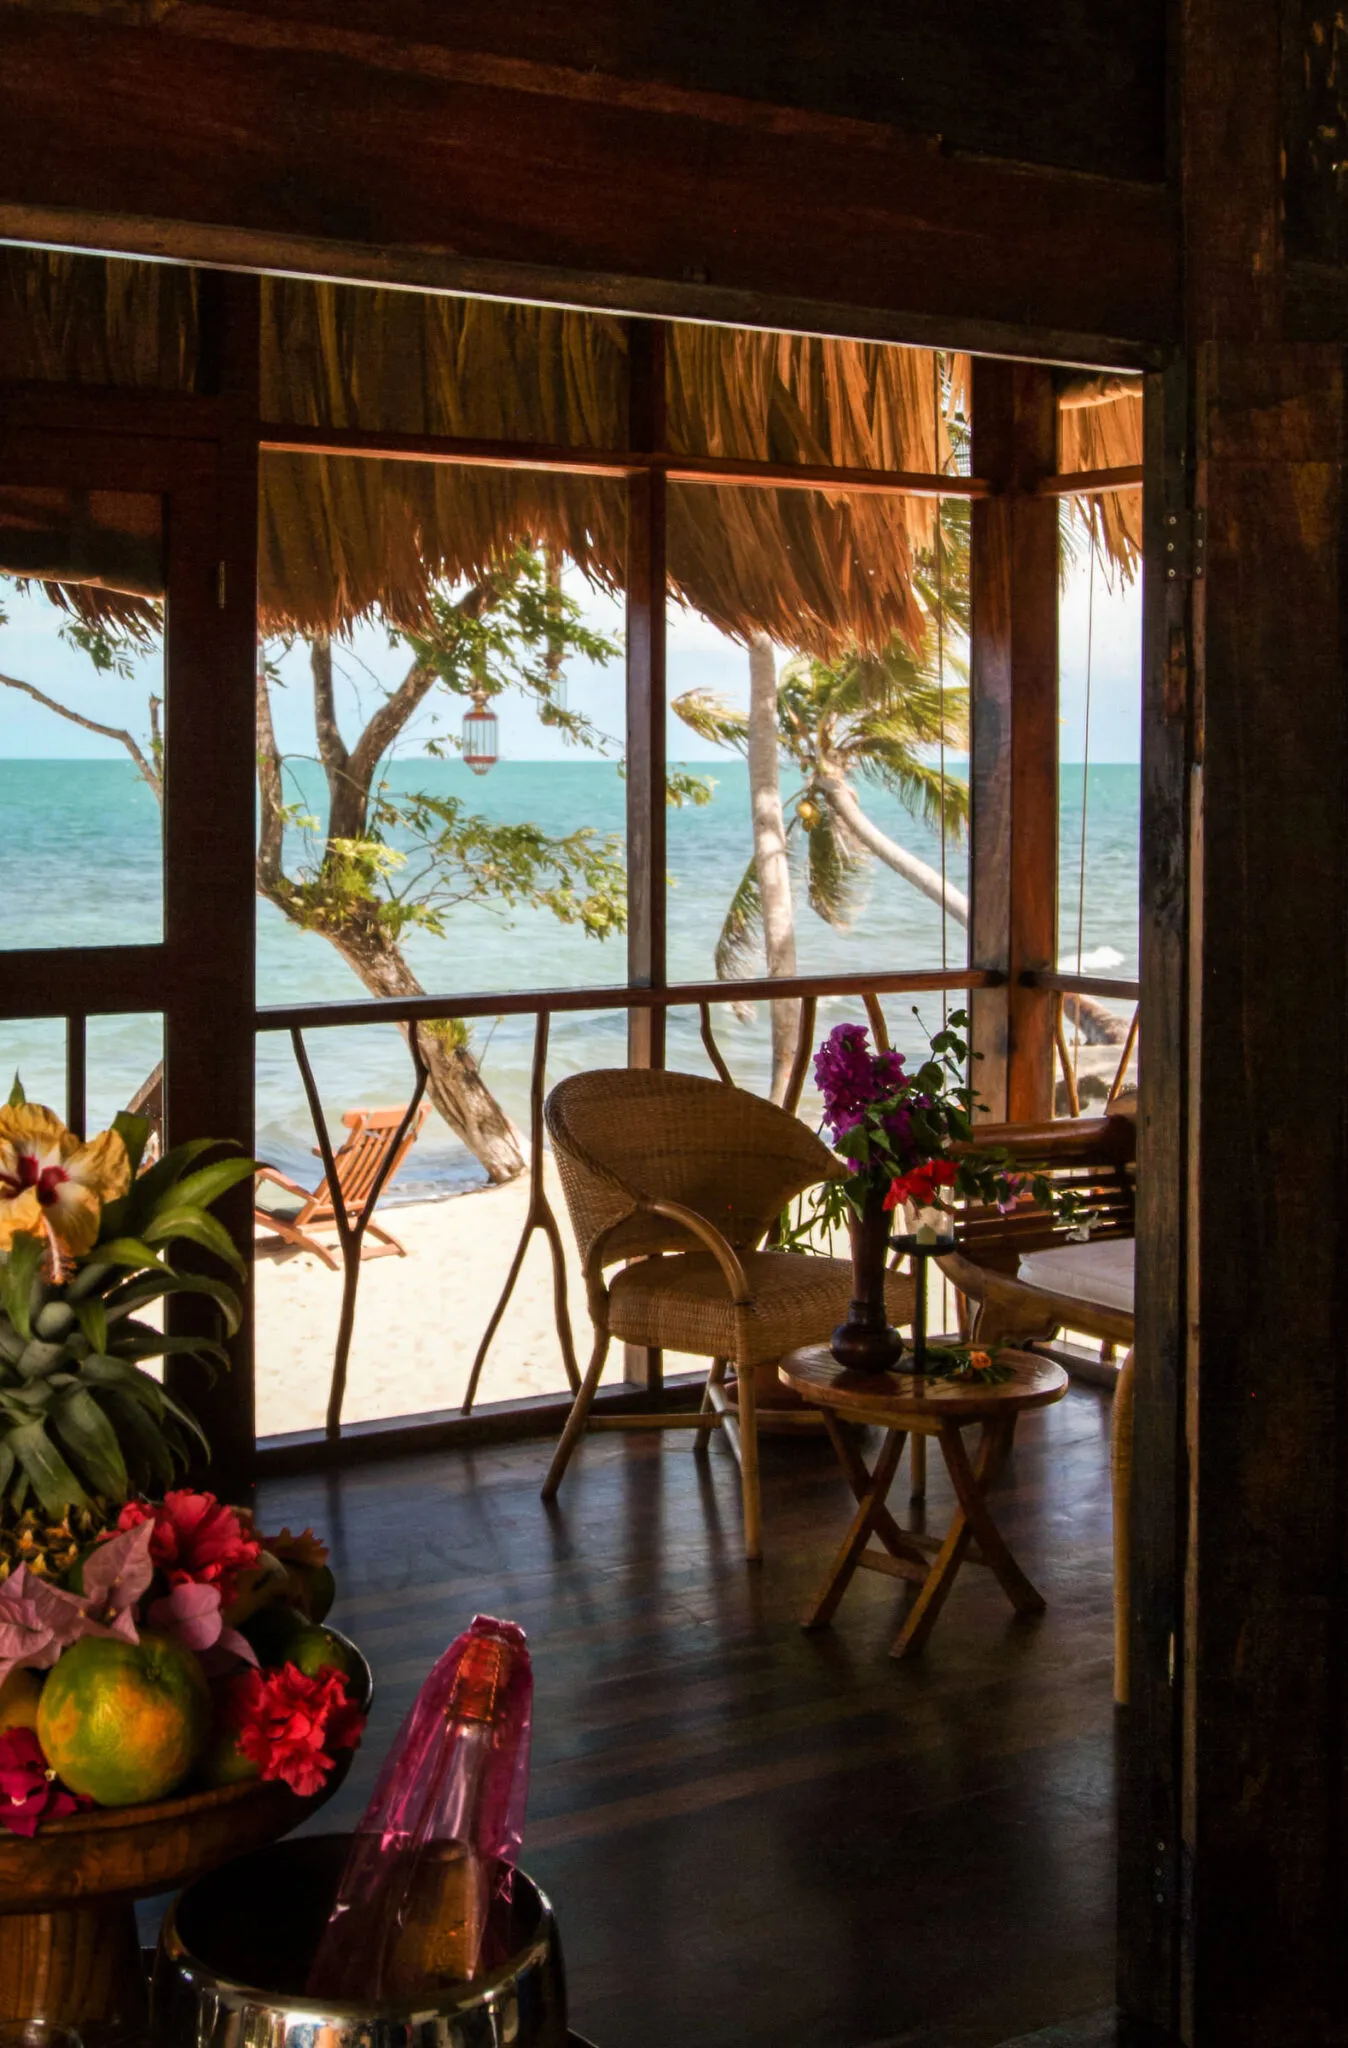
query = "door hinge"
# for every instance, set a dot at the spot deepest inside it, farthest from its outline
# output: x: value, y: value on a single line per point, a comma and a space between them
x: 220, y: 585
x: 1186, y: 536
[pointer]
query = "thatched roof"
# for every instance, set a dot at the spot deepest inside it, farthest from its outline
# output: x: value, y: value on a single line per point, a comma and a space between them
x: 345, y: 537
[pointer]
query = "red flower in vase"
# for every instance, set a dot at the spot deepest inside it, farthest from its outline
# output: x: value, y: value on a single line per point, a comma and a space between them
x: 196, y: 1539
x: 29, y: 1792
x: 287, y: 1723
x: 920, y: 1183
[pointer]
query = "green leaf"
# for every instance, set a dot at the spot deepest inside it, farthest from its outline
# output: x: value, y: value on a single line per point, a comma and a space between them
x: 93, y: 1320
x: 198, y: 1227
x: 17, y: 1276
x: 134, y: 1132
x: 92, y: 1442
x: 45, y: 1469
x: 147, y: 1287
x: 17, y: 1098
x: 130, y: 1251
x: 37, y: 1359
x: 102, y: 1370
x: 145, y: 1447
x: 198, y: 1190
x: 7, y: 1462
x: 188, y: 1420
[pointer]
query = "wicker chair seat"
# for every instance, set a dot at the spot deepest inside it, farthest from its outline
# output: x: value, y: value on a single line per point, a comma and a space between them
x: 682, y: 1303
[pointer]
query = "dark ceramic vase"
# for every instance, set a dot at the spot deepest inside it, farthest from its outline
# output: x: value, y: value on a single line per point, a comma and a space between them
x: 868, y: 1341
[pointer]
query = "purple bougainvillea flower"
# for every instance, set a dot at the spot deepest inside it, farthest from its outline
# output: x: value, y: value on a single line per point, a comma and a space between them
x: 191, y: 1615
x: 115, y: 1577
x: 37, y: 1622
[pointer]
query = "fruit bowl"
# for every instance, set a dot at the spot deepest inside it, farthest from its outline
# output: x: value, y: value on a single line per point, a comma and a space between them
x: 69, y: 1951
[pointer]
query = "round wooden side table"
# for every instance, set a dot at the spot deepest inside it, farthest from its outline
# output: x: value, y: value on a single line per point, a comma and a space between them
x: 903, y: 1406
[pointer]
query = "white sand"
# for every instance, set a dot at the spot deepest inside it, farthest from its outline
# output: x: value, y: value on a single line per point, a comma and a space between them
x: 419, y: 1319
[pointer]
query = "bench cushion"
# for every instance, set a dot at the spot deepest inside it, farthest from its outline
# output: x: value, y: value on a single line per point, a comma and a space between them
x: 1101, y: 1272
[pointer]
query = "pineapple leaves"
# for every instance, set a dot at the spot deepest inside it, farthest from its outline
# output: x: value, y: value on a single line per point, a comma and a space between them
x: 19, y: 1281
x: 91, y: 1441
x: 44, y: 1468
x: 198, y: 1227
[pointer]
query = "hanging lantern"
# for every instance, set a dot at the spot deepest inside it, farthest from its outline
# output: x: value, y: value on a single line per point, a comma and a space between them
x: 478, y: 737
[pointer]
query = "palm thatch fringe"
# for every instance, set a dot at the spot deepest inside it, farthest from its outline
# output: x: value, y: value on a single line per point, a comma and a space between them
x: 343, y: 538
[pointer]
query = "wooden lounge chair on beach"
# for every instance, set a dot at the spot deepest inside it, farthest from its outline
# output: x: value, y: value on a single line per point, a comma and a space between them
x: 371, y: 1135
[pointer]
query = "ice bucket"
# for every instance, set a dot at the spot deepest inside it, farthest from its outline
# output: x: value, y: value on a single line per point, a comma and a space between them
x: 235, y: 1949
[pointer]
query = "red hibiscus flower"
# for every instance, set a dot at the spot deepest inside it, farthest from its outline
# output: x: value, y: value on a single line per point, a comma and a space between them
x: 920, y: 1183
x: 288, y: 1724
x: 29, y: 1793
x: 196, y: 1540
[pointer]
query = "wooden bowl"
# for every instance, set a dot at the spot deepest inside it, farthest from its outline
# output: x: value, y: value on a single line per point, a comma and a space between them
x: 69, y: 1951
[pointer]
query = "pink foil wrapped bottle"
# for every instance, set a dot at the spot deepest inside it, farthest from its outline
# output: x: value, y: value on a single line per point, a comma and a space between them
x: 423, y: 1901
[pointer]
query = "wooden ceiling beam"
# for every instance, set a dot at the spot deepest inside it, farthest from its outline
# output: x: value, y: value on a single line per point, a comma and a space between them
x: 151, y: 141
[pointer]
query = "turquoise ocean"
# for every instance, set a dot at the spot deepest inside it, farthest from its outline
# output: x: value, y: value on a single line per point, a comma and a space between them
x: 80, y: 864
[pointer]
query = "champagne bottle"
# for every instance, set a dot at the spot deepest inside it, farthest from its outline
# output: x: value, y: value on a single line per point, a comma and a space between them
x: 427, y: 1879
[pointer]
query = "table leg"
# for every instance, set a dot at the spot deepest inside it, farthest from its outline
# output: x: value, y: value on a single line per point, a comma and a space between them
x: 870, y: 1510
x: 971, y: 1488
x: 898, y: 1542
x: 971, y: 1519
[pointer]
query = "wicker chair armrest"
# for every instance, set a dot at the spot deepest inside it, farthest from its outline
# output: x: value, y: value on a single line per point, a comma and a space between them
x: 710, y: 1236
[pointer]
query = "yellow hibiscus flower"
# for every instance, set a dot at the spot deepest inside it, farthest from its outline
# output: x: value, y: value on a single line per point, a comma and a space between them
x: 52, y: 1182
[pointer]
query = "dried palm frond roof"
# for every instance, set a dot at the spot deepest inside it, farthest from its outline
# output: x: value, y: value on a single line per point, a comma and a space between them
x: 346, y: 537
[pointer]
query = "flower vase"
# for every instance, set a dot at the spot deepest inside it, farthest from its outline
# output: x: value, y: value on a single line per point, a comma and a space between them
x: 867, y: 1341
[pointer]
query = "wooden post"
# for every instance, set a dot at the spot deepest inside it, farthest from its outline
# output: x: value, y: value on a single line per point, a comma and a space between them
x: 1014, y: 745
x: 646, y: 859
x: 1236, y: 1934
x: 209, y: 804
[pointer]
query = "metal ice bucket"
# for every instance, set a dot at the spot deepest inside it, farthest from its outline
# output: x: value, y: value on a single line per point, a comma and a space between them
x: 236, y: 1946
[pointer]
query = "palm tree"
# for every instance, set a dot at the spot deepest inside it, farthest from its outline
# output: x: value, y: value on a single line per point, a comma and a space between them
x: 864, y: 719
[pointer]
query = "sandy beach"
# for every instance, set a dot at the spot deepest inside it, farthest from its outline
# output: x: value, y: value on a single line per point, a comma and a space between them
x: 419, y: 1319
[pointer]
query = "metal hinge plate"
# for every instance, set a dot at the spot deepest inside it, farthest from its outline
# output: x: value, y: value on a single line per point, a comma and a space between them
x: 1186, y: 537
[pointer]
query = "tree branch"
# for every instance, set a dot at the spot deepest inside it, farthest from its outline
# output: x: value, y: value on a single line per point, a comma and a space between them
x: 331, y: 746
x: 271, y: 825
x: 108, y: 732
x: 393, y: 714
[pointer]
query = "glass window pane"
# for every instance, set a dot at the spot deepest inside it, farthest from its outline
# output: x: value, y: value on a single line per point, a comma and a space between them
x: 82, y: 675
x: 408, y: 363
x: 828, y: 615
x: 1099, y: 813
x: 420, y: 1319
x: 97, y: 320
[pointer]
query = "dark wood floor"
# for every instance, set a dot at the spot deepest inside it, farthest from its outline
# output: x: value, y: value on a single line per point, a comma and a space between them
x: 756, y: 1838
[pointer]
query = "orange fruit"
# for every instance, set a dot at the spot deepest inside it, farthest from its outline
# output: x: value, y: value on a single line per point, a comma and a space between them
x: 19, y: 1696
x: 124, y: 1722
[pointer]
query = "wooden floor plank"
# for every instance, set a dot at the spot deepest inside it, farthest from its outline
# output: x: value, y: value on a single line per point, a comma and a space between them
x: 756, y: 1838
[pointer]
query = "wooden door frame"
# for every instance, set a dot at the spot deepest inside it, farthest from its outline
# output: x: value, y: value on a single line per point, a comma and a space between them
x: 200, y: 976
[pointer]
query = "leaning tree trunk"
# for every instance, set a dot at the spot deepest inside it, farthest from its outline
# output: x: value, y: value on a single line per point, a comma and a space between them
x: 455, y: 1085
x: 1098, y: 1025
x: 770, y: 854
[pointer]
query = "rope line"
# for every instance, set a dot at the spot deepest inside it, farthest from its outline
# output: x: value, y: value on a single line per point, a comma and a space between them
x: 1085, y: 788
x: 937, y: 361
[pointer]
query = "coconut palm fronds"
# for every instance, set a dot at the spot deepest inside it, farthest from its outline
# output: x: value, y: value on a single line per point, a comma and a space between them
x: 711, y: 718
x: 741, y: 933
x: 834, y: 865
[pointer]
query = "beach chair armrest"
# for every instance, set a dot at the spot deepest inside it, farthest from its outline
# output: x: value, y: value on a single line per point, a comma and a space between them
x: 283, y: 1180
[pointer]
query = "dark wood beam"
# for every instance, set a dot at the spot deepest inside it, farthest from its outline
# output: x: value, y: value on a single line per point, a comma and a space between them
x: 1014, y: 570
x: 112, y: 138
x: 209, y: 802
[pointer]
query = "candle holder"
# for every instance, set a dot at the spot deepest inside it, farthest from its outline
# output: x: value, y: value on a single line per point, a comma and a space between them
x: 920, y: 1248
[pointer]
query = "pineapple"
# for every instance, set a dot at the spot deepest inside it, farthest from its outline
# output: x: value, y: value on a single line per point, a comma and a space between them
x: 48, y: 1546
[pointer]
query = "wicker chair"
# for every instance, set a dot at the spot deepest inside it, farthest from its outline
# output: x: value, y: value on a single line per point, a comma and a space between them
x: 683, y: 1178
